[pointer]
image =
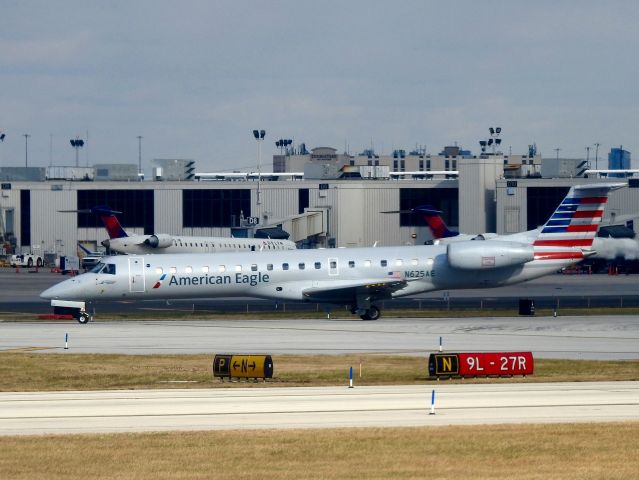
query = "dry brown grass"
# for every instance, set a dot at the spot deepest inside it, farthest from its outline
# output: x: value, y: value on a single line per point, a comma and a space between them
x: 28, y: 371
x: 580, y: 451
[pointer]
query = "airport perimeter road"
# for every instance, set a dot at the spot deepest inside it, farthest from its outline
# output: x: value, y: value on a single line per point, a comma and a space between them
x: 593, y: 337
x: 258, y: 408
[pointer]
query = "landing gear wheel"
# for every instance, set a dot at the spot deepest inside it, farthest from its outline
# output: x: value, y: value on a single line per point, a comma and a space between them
x: 372, y: 313
x: 39, y: 263
x: 30, y: 263
x: 84, y: 318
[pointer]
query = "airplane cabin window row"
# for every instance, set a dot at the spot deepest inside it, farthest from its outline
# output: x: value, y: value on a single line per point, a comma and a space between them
x: 333, y: 264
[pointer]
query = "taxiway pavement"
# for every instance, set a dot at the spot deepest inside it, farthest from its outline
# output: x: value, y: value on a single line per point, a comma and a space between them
x: 319, y: 407
x: 613, y: 337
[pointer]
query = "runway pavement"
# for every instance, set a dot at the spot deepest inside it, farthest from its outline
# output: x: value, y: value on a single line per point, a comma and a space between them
x: 321, y: 407
x: 593, y: 337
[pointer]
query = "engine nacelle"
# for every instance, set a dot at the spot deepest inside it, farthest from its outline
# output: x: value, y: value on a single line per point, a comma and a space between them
x: 161, y: 240
x: 488, y: 254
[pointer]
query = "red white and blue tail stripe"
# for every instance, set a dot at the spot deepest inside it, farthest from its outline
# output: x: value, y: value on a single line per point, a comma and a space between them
x: 575, y: 222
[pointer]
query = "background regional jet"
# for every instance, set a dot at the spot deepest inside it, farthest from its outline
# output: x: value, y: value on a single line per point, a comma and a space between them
x: 121, y: 242
x: 357, y: 277
x: 604, y: 247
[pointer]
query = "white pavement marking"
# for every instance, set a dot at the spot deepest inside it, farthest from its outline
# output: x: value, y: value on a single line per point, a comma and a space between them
x: 319, y: 407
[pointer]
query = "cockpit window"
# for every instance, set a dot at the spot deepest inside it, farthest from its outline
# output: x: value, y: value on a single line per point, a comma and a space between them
x: 98, y: 267
x: 109, y: 269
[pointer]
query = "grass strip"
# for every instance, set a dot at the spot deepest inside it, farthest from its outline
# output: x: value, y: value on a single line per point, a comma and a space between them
x: 31, y: 371
x: 525, y: 452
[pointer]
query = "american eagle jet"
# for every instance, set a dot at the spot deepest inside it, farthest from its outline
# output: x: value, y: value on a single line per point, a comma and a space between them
x: 357, y: 277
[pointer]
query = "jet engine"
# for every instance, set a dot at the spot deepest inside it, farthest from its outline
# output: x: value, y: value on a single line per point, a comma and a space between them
x: 488, y: 254
x: 160, y: 240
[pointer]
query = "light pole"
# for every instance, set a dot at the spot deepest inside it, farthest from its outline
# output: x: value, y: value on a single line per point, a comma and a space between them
x: 140, y: 137
x: 259, y: 136
x: 2, y: 135
x: 557, y: 153
x: 26, y: 149
x: 78, y: 143
x: 596, y: 156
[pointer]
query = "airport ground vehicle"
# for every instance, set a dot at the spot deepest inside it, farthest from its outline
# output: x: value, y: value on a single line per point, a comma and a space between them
x: 26, y: 260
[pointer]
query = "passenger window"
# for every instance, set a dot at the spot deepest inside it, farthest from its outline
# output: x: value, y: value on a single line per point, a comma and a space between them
x: 254, y: 268
x: 285, y: 266
x: 238, y: 268
x: 333, y: 264
x: 301, y: 266
x: 269, y: 266
x: 188, y: 269
x: 318, y: 265
x: 173, y: 270
x: 383, y: 263
x: 222, y: 268
x: 398, y: 263
x: 205, y: 269
x: 367, y: 263
x: 158, y: 270
x: 414, y: 261
x: 351, y: 264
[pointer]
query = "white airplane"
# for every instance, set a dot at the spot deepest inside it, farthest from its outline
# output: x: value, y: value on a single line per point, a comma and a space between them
x: 357, y: 277
x: 119, y: 241
x: 604, y: 247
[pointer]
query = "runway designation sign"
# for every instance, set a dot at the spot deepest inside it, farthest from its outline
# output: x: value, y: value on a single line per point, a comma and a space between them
x: 243, y: 366
x: 493, y: 364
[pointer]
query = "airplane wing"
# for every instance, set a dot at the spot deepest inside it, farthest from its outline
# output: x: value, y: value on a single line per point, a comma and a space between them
x: 332, y: 291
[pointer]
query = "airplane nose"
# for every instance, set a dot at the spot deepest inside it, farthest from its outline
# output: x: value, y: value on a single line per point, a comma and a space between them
x: 65, y: 290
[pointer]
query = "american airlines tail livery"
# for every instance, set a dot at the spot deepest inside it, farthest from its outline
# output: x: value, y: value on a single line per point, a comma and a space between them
x: 119, y: 241
x: 357, y: 277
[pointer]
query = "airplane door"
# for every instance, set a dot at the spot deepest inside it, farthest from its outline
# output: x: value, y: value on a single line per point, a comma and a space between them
x: 136, y: 274
x: 333, y: 266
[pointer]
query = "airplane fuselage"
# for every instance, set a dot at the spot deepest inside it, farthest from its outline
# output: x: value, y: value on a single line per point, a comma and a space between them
x: 140, y: 244
x: 324, y: 275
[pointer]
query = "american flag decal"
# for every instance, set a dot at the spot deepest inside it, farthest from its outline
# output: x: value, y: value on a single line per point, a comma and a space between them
x: 395, y: 274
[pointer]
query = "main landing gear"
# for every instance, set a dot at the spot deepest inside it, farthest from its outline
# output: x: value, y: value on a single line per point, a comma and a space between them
x: 370, y: 313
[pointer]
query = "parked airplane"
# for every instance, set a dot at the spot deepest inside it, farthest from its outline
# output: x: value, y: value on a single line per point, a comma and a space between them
x: 357, y: 277
x: 604, y: 247
x: 119, y: 241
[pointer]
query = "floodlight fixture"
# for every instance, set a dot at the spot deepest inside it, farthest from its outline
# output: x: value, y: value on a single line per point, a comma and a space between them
x: 491, y: 130
x: 498, y: 130
x: 2, y: 135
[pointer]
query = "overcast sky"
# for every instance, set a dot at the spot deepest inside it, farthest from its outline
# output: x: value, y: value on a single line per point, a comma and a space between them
x: 194, y: 78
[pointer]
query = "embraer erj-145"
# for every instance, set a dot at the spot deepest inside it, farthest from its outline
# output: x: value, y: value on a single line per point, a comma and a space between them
x: 357, y: 277
x: 119, y: 241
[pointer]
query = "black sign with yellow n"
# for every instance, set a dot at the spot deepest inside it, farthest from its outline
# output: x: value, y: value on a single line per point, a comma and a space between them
x: 443, y: 364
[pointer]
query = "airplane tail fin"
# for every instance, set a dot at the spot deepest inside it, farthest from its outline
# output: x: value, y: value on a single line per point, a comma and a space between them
x: 435, y: 222
x: 110, y: 221
x: 577, y: 218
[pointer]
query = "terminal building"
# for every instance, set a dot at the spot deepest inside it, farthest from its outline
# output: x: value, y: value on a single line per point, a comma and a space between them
x: 320, y: 197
